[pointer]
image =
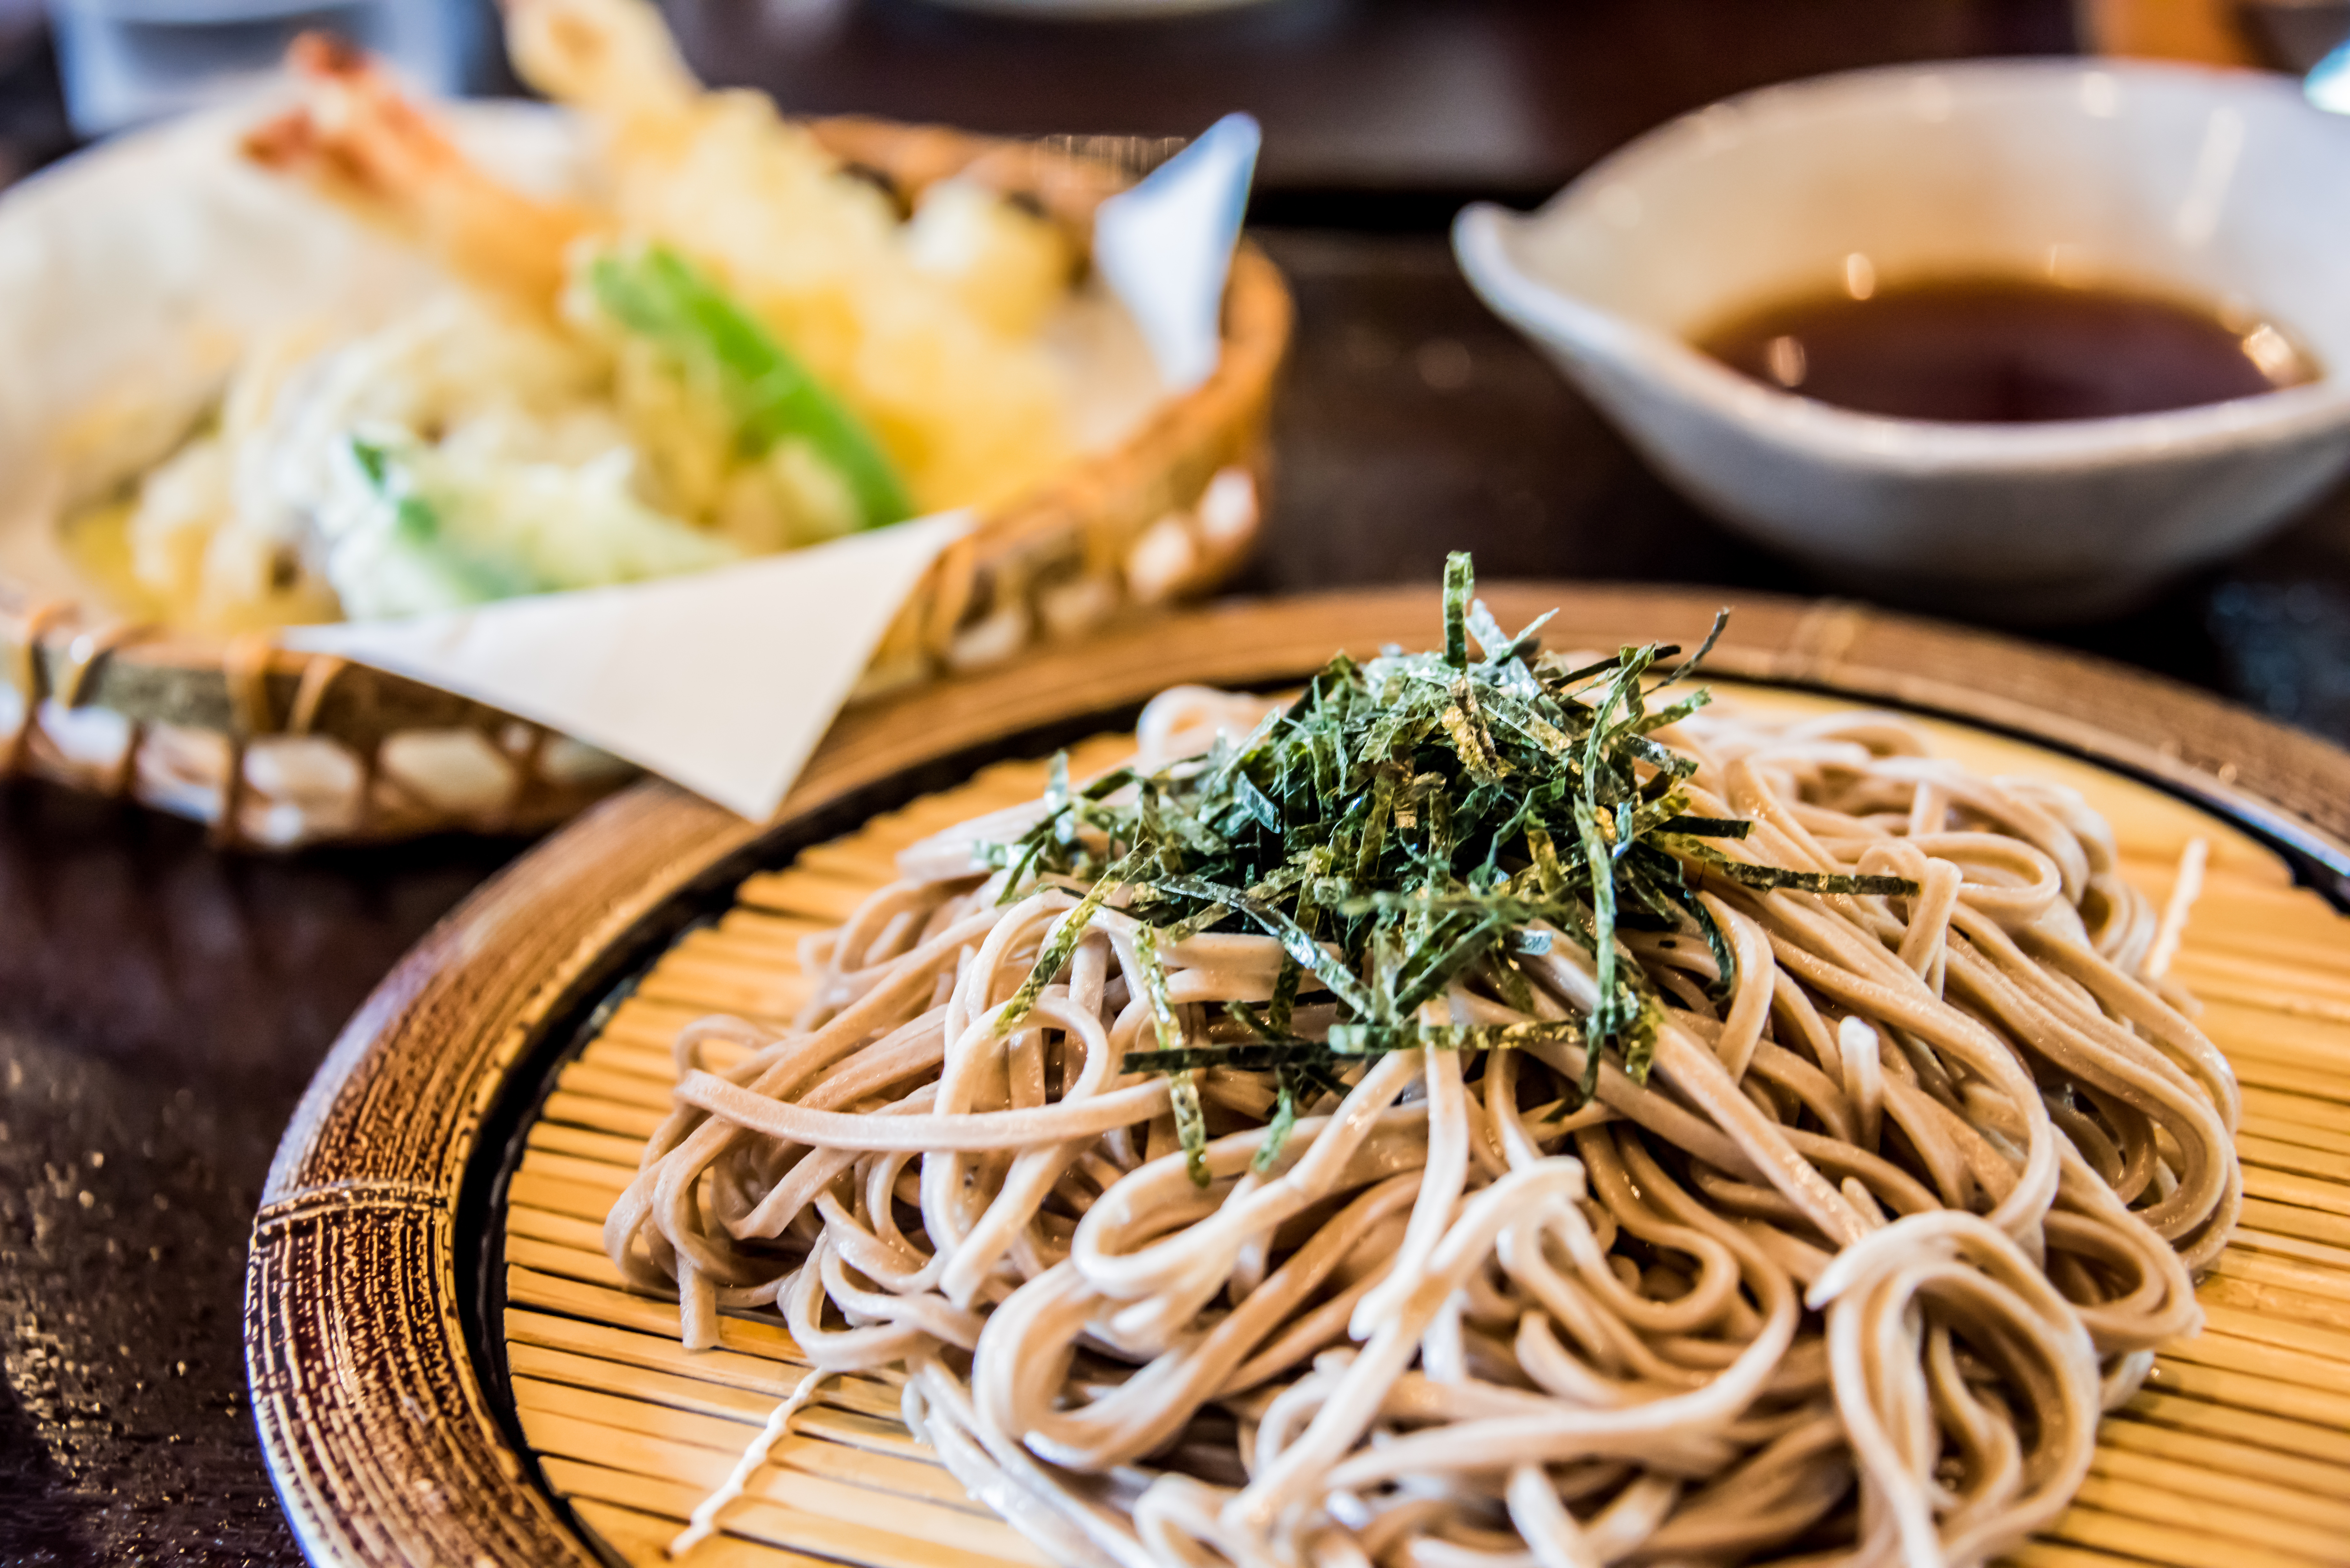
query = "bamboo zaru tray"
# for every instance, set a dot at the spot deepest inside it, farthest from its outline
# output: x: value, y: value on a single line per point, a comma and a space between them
x: 445, y: 1369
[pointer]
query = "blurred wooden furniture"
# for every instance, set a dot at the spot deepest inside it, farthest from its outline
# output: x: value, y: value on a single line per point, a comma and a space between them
x: 2271, y: 35
x: 2209, y: 31
x: 1375, y: 112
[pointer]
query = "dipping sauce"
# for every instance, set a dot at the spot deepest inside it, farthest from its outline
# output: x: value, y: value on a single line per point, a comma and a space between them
x: 1996, y: 350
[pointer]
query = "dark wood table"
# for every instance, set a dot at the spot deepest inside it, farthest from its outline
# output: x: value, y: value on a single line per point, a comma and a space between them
x: 161, y: 1006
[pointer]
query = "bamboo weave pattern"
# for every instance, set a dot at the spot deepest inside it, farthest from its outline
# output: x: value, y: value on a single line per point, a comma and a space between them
x: 2238, y: 1450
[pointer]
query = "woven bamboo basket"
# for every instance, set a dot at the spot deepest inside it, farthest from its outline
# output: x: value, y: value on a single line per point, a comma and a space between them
x: 274, y: 747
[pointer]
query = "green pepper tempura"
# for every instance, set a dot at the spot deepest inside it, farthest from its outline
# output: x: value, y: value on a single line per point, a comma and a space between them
x: 770, y: 398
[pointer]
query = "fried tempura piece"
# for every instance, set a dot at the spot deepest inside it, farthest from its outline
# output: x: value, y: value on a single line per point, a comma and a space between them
x: 612, y: 59
x: 928, y: 329
x: 357, y: 141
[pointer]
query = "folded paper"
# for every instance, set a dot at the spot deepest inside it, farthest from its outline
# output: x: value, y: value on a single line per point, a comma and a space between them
x: 1165, y: 247
x: 723, y: 681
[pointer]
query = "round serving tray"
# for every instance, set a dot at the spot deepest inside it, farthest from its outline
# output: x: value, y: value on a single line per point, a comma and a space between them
x: 377, y: 1302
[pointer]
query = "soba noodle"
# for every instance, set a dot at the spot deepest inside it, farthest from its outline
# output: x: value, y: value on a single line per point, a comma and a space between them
x: 1906, y: 1199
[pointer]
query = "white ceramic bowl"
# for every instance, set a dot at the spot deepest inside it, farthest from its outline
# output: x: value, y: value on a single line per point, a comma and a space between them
x: 2219, y: 185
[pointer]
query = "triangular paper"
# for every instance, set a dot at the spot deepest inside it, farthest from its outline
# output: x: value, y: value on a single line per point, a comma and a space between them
x: 722, y: 682
x: 1165, y: 247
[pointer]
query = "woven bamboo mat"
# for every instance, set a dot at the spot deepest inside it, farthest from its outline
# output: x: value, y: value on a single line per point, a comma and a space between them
x: 2237, y: 1452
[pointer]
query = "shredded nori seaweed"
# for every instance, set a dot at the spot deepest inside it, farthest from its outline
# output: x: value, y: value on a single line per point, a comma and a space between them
x: 1402, y: 823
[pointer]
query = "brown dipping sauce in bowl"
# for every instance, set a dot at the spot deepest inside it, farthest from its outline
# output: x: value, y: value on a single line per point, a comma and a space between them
x: 1992, y: 349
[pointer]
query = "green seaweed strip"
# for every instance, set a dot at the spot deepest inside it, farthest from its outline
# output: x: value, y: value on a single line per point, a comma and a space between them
x: 1768, y: 878
x: 1015, y: 882
x: 1353, y: 1041
x: 1375, y: 824
x: 1513, y: 650
x: 1242, y: 1013
x: 1604, y: 1018
x: 1675, y: 712
x: 1292, y: 938
x: 1706, y: 826
x: 1256, y: 803
x: 1190, y: 1123
x: 1637, y: 1040
x: 1818, y: 882
x: 1368, y: 1038
x: 1688, y: 666
x: 1056, y: 953
x: 1458, y: 576
x: 1255, y: 1055
x: 1673, y: 885
x: 1183, y: 1088
x: 1285, y: 995
x: 1284, y: 1117
x: 1585, y: 672
x: 1512, y: 983
x: 1435, y: 972
x: 1546, y: 862
x: 1056, y: 787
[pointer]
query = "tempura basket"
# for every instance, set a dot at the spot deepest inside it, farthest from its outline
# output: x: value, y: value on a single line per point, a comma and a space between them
x: 275, y: 748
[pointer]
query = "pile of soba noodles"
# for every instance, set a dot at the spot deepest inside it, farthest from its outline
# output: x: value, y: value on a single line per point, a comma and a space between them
x: 1489, y: 1113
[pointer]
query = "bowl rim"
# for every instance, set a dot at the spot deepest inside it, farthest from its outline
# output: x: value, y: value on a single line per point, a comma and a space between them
x: 1584, y: 332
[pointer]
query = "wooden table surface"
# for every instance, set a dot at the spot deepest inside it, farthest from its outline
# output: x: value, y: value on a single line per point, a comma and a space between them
x: 161, y: 1006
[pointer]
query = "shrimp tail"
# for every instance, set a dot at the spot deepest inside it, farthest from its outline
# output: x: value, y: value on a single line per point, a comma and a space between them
x: 355, y: 139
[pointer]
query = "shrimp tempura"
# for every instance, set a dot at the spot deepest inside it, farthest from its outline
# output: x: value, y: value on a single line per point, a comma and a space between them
x: 357, y: 141
x: 612, y: 59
